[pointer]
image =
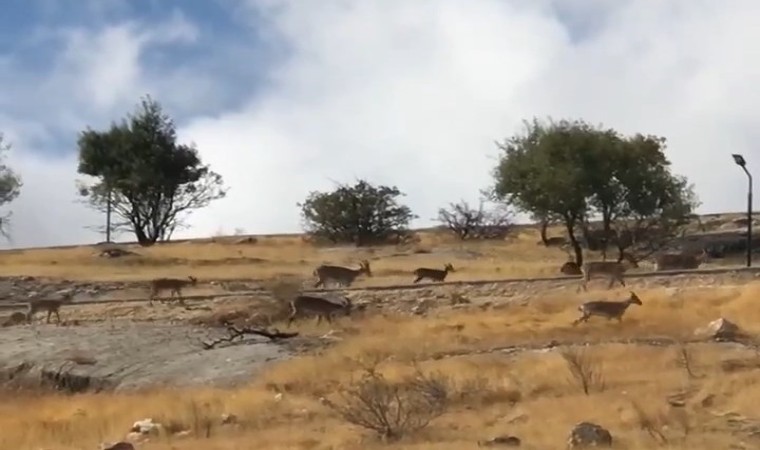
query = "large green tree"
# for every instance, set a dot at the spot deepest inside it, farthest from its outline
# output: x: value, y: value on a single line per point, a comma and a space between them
x: 362, y: 214
x: 573, y: 171
x: 149, y: 180
x: 653, y: 203
x: 10, y: 186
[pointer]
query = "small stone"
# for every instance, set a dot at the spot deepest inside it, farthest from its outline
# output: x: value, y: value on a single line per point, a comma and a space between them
x: 501, y: 441
x: 134, y: 436
x: 146, y: 426
x: 708, y: 401
x: 229, y: 419
x: 118, y: 446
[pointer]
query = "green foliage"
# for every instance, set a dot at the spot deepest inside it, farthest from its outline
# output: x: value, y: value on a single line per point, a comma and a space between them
x: 152, y: 181
x: 362, y: 214
x: 572, y: 171
x: 10, y: 186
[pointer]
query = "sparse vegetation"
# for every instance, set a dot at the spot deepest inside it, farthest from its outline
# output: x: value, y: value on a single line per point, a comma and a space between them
x: 485, y: 389
x: 585, y: 368
x: 392, y: 409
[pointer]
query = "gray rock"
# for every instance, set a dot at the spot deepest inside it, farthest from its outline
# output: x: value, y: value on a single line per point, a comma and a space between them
x: 587, y: 434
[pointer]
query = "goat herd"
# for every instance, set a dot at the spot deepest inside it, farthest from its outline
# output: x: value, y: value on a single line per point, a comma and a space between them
x: 305, y: 304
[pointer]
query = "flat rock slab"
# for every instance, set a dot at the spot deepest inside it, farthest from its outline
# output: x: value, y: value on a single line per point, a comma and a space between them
x: 134, y: 355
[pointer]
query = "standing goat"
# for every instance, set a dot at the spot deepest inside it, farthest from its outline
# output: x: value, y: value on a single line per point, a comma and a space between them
x: 51, y: 306
x: 321, y: 307
x: 614, y: 270
x: 174, y: 285
x: 609, y: 310
x: 339, y: 274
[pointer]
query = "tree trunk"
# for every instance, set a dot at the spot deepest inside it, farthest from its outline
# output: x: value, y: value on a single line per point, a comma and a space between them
x: 607, y: 230
x: 570, y: 221
x: 544, y: 229
x: 143, y: 239
x: 586, y: 233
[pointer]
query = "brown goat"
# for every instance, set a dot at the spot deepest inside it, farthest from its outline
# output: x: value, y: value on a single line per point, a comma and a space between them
x: 614, y: 270
x: 432, y: 274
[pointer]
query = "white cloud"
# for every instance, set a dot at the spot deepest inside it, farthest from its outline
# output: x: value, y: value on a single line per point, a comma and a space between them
x: 415, y: 93
x: 96, y: 78
x: 104, y: 65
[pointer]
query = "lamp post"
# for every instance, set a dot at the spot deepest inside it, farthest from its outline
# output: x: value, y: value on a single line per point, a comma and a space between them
x: 739, y: 160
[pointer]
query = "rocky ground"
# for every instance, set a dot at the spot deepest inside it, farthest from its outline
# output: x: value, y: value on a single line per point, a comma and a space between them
x: 128, y: 355
x: 127, y: 345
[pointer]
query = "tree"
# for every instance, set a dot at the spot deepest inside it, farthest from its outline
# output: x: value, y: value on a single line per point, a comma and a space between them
x: 543, y: 171
x: 654, y: 204
x: 362, y: 214
x: 10, y: 187
x: 467, y: 222
x: 574, y: 172
x: 149, y: 180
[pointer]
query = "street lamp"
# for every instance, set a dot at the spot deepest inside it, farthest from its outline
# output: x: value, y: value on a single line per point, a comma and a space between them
x: 739, y: 160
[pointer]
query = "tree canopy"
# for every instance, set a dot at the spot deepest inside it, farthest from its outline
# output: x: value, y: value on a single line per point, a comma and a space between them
x: 572, y: 171
x: 362, y: 214
x: 151, y: 181
x: 10, y: 186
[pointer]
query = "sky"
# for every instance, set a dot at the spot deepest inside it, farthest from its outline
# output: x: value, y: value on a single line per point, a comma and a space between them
x: 283, y: 97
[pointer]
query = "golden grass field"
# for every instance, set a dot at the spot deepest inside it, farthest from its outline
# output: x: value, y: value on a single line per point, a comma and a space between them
x: 272, y: 257
x: 530, y: 394
x: 269, y: 257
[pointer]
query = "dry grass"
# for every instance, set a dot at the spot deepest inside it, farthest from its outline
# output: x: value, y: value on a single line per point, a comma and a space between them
x: 279, y: 256
x: 530, y: 394
x: 266, y: 257
x: 270, y: 257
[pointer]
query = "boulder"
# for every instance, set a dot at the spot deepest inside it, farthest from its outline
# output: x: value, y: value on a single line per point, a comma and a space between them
x: 587, y: 434
x: 719, y: 329
x: 146, y: 426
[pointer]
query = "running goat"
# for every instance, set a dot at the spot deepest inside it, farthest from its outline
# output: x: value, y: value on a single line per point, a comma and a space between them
x: 610, y: 310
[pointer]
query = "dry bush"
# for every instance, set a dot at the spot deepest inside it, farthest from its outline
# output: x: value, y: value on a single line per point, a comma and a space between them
x: 284, y: 288
x: 686, y: 360
x: 585, y: 369
x: 466, y: 222
x: 480, y: 390
x: 650, y: 423
x: 393, y: 408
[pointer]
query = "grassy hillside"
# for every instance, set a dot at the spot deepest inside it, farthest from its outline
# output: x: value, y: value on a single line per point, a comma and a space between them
x: 220, y: 258
x: 501, y: 364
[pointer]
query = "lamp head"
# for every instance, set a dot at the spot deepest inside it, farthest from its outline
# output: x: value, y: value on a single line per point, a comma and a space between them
x: 739, y: 160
